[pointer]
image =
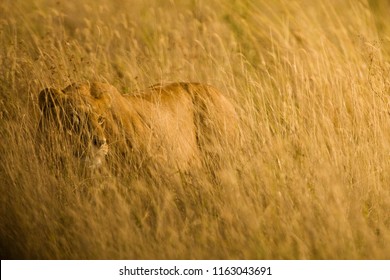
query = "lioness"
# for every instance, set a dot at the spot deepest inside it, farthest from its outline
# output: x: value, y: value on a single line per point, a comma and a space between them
x: 179, y: 125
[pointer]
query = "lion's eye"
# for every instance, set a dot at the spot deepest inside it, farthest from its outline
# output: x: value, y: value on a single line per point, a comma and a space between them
x: 98, y: 141
x: 100, y: 120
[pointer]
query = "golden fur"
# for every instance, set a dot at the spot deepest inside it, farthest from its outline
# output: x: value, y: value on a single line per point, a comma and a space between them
x: 179, y: 125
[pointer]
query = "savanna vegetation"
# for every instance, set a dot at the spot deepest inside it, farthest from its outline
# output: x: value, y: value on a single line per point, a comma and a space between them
x: 309, y: 80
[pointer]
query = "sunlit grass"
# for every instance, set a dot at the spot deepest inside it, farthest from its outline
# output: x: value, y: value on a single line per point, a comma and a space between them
x: 310, y: 82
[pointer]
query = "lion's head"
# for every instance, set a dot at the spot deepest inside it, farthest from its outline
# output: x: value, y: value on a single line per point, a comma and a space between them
x: 78, y: 111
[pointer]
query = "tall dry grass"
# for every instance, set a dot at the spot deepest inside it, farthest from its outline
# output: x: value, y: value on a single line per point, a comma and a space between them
x: 310, y: 81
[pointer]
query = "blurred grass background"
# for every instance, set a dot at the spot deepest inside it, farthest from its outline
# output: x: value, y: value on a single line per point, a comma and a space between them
x: 310, y: 81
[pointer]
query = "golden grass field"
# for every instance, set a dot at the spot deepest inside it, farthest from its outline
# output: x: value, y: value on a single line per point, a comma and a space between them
x: 309, y: 80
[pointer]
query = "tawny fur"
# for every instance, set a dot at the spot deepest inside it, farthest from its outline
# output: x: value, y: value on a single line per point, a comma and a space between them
x: 179, y: 125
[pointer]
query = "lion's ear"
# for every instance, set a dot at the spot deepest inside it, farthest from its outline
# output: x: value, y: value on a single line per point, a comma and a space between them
x: 49, y: 97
